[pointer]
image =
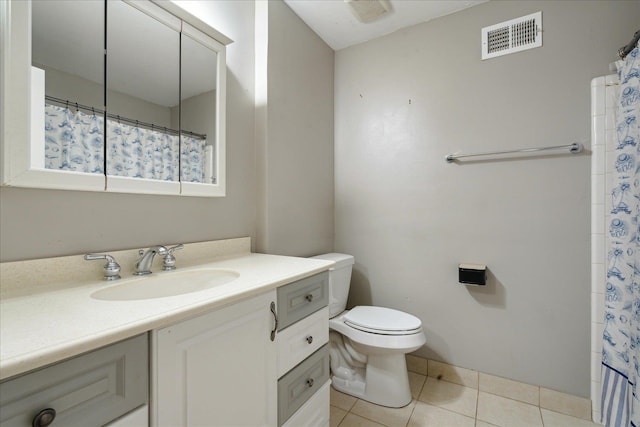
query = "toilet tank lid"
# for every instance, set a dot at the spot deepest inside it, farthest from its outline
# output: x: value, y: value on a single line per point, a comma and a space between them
x: 341, y: 260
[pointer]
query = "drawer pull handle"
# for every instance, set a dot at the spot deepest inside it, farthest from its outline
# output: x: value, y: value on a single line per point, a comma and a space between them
x: 275, y: 321
x: 44, y: 418
x: 309, y: 297
x: 310, y: 382
x: 309, y: 339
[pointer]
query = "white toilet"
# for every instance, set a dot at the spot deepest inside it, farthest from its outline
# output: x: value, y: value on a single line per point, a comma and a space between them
x: 368, y: 344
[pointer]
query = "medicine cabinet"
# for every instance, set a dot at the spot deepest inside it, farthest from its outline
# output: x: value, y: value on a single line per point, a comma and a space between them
x: 120, y: 96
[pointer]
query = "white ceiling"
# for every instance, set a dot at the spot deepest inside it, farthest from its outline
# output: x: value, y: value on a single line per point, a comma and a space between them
x: 336, y: 24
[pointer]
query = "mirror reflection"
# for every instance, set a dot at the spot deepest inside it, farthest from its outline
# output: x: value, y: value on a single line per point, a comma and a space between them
x: 149, y: 112
x: 143, y: 77
x: 68, y: 45
x: 197, y: 112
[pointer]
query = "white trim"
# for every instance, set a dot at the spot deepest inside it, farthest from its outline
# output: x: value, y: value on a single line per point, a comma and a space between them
x: 37, y: 118
x: 221, y: 120
x: 202, y: 38
x: 201, y: 190
x: 219, y: 168
x: 16, y: 58
x: 156, y: 12
x: 123, y: 184
x: 178, y: 11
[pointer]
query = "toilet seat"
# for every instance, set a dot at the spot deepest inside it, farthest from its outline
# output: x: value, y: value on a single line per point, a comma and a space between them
x: 382, y: 321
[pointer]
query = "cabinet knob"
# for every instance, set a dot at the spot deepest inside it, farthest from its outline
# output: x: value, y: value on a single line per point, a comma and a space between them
x: 309, y: 339
x: 44, y: 418
x: 310, y: 382
x: 309, y: 297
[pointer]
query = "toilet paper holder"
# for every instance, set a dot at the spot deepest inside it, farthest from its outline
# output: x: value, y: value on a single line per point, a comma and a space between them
x: 472, y: 274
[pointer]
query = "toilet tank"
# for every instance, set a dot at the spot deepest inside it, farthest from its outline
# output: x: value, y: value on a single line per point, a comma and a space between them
x: 339, y: 281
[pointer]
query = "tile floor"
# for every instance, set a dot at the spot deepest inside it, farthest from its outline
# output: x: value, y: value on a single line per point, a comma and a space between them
x: 441, y: 403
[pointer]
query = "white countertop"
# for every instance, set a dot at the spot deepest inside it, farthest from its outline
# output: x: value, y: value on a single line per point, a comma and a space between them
x: 45, y: 327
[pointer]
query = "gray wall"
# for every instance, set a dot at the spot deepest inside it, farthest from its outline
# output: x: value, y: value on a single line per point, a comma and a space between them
x: 295, y: 213
x: 406, y: 100
x: 296, y: 207
x: 44, y: 223
x: 68, y: 86
x: 196, y: 114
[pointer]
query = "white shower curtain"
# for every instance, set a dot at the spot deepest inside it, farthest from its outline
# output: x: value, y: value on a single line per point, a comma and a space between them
x: 621, y: 337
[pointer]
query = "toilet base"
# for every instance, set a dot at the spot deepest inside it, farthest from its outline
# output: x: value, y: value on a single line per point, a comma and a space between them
x: 384, y: 381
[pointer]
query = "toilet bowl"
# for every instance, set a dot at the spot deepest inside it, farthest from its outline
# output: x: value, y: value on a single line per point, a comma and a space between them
x: 368, y: 344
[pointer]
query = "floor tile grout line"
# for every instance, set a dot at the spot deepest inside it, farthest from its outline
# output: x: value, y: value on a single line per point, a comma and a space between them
x: 489, y: 392
x: 416, y: 400
x: 342, y: 419
x: 477, y: 404
x: 440, y: 407
x: 424, y: 383
x: 411, y: 414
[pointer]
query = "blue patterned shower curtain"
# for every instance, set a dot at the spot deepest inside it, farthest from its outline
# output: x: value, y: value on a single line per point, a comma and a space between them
x: 621, y: 338
x: 141, y: 153
x: 74, y: 141
x: 192, y: 159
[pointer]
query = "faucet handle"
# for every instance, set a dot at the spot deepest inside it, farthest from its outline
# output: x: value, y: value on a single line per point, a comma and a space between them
x: 111, y: 269
x: 175, y: 248
x: 169, y: 262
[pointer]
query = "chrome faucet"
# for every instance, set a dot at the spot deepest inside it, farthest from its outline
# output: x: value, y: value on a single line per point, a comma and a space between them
x: 169, y: 262
x: 111, y: 269
x: 143, y: 266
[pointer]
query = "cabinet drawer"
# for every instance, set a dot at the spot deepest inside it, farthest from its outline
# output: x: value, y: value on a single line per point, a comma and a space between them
x: 315, y: 412
x: 136, y: 418
x: 88, y: 390
x: 301, y: 339
x: 299, y: 299
x: 297, y: 386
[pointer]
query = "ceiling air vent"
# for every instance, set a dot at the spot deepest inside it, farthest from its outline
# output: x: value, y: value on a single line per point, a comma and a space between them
x: 512, y: 36
x: 369, y: 10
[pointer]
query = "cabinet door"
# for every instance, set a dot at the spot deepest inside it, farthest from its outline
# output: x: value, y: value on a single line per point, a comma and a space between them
x: 86, y: 391
x: 218, y: 369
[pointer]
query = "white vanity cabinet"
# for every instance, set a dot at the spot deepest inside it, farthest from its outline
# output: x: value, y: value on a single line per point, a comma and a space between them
x: 217, y: 369
x: 223, y: 367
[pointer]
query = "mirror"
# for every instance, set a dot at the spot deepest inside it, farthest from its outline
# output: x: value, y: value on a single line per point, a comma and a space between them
x: 143, y: 82
x: 68, y: 45
x: 137, y: 107
x: 197, y: 109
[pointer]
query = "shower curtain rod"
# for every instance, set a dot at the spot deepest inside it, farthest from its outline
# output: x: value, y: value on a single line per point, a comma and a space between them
x: 151, y: 126
x: 573, y: 148
x: 625, y: 50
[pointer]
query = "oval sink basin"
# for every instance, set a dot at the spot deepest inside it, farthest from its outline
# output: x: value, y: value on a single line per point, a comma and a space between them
x: 167, y: 285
